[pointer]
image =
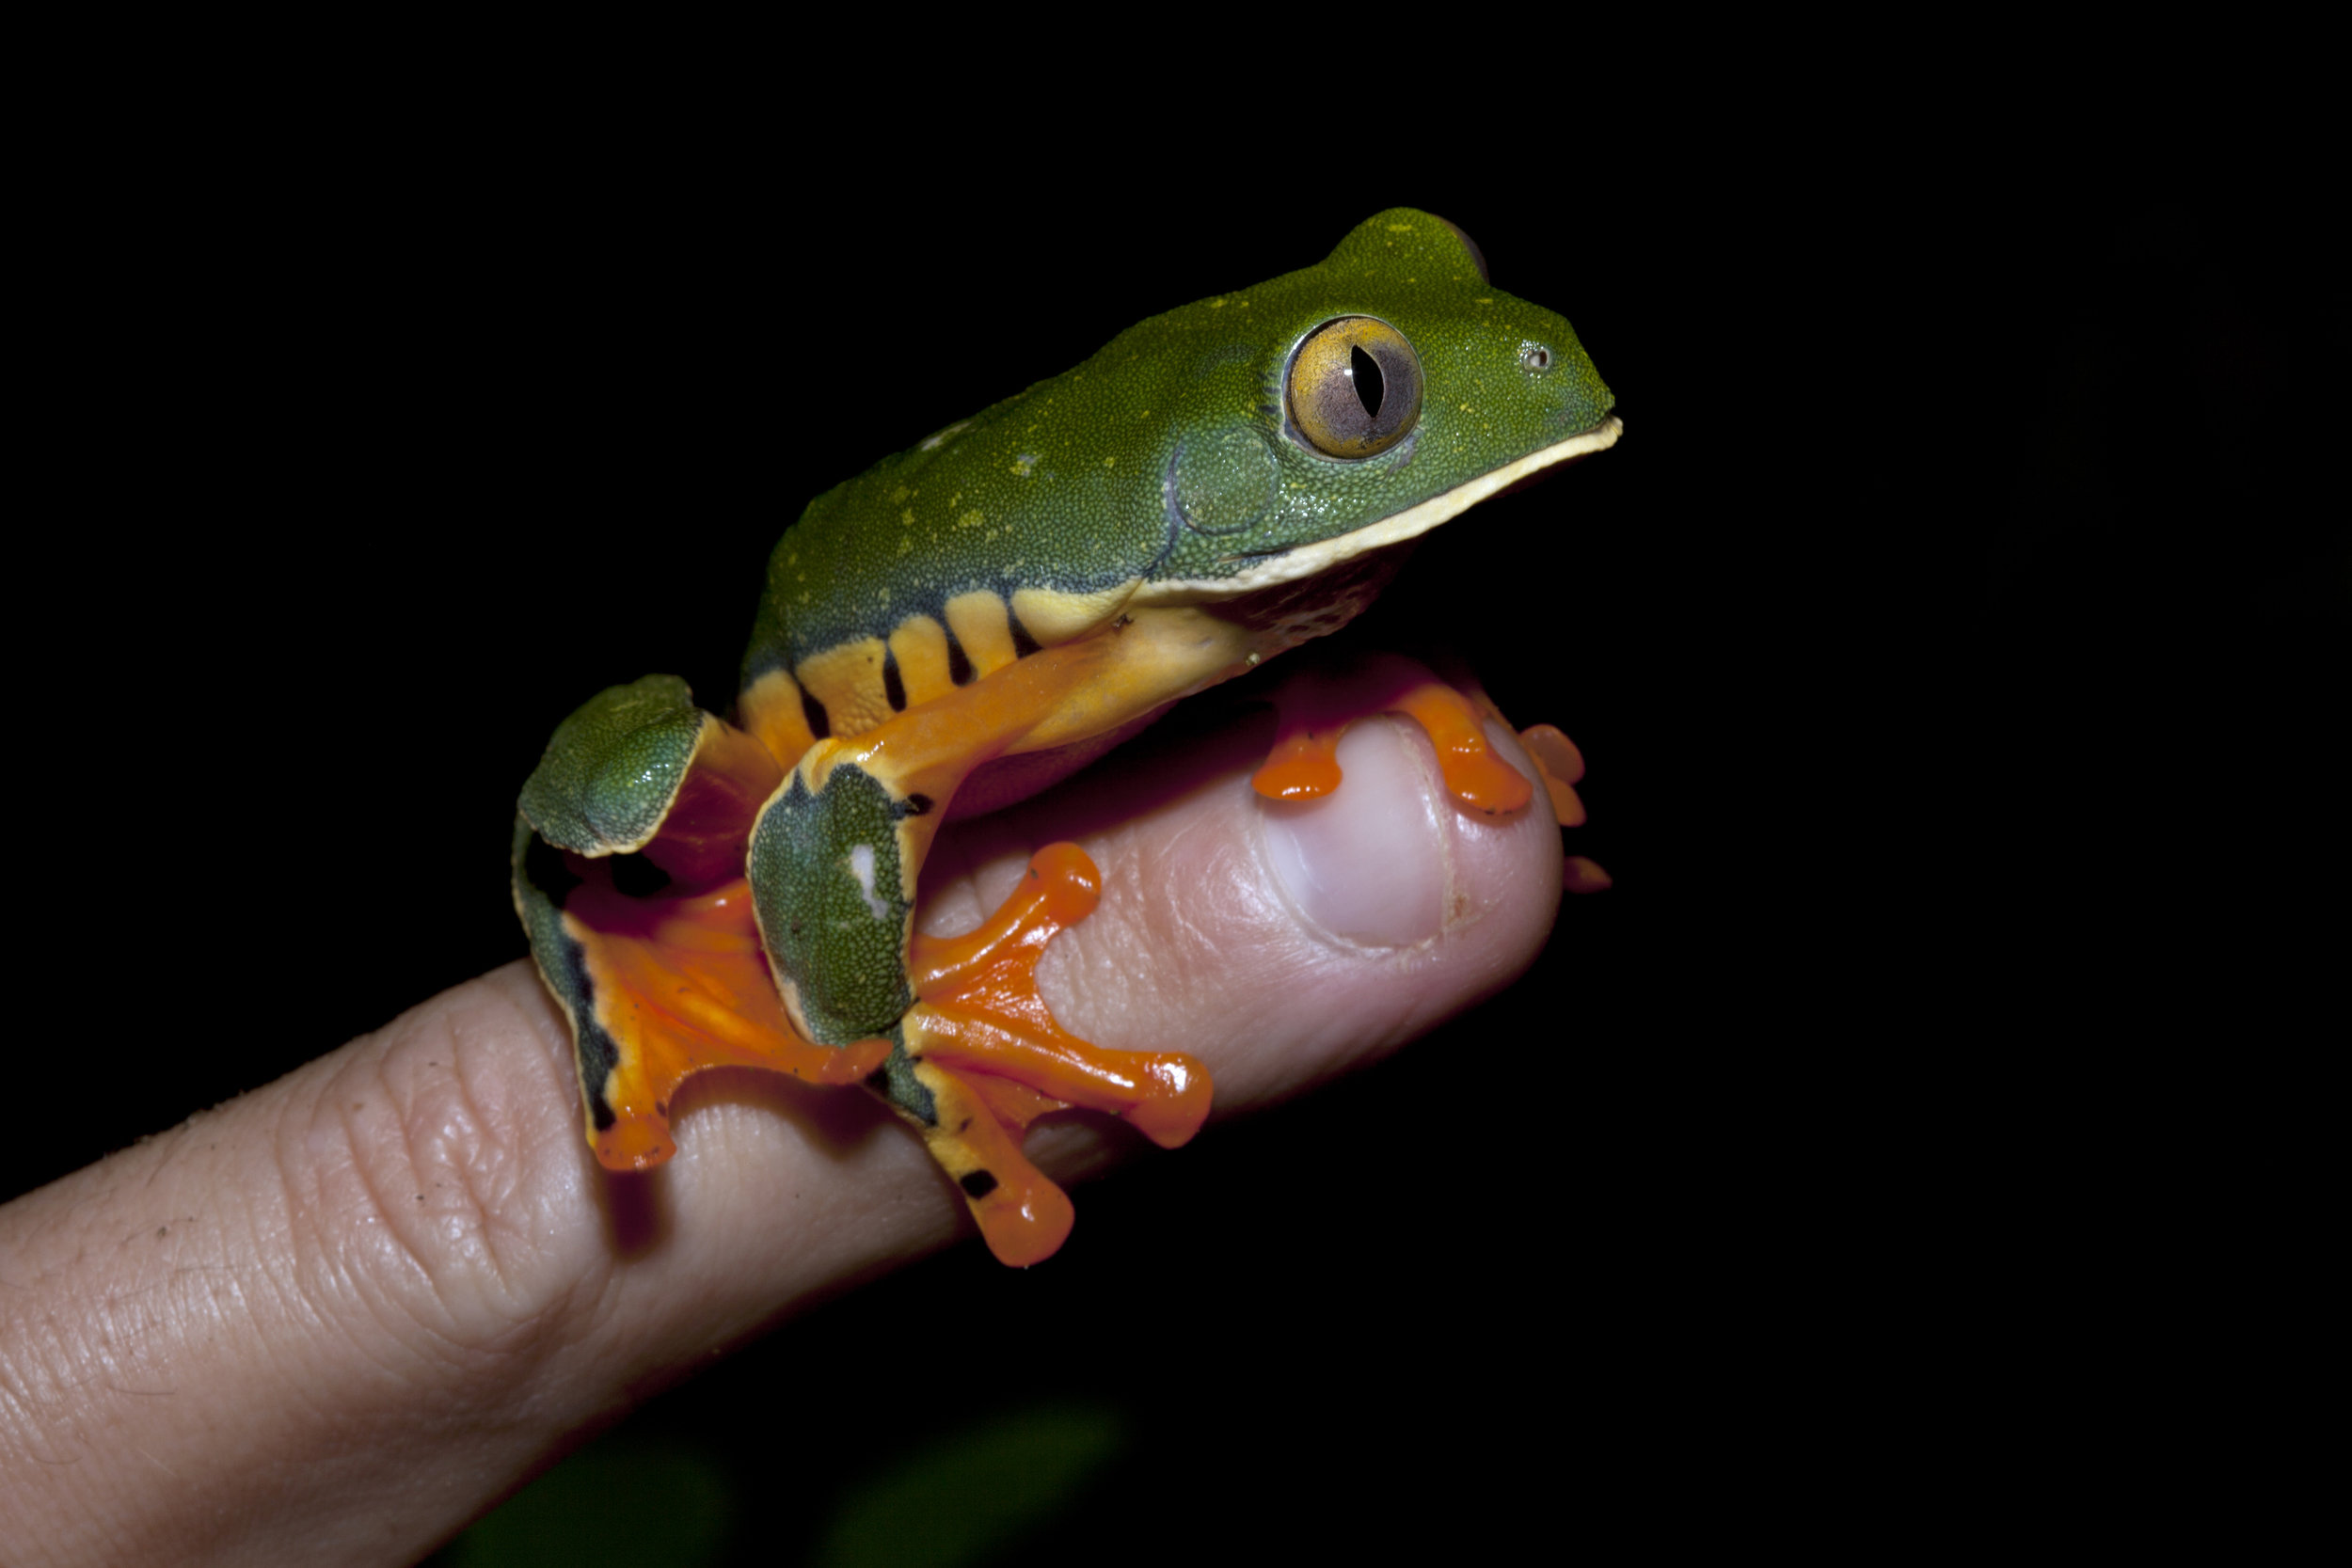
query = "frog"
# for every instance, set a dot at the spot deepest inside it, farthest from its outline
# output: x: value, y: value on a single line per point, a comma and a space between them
x: 974, y: 619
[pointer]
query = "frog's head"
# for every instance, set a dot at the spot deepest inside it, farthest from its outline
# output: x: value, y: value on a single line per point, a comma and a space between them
x: 1355, y: 405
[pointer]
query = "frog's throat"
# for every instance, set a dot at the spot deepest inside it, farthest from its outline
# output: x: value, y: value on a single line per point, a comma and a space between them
x: 1308, y: 560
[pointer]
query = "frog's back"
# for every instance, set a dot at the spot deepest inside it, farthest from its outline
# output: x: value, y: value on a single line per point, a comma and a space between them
x: 1164, y: 470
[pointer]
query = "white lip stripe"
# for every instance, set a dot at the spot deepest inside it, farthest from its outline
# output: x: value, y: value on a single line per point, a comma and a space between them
x: 1308, y: 560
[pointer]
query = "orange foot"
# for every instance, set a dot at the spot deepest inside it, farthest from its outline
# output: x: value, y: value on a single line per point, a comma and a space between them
x: 987, y: 1045
x: 1561, y: 765
x: 1314, y: 710
x: 667, y: 975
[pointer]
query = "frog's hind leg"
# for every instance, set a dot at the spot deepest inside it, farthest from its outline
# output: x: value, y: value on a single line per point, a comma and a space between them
x: 978, y: 1054
x: 628, y: 874
x: 984, y: 1042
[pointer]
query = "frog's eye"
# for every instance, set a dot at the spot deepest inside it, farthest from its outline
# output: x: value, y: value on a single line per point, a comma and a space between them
x: 1355, y: 387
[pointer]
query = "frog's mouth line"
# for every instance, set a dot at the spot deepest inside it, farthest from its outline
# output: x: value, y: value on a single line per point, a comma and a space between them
x: 1308, y: 560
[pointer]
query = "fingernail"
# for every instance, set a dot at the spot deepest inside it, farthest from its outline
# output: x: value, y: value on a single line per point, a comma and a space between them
x: 1368, y: 862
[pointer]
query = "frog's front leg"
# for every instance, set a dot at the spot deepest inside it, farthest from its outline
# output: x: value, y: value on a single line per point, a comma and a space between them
x: 976, y: 1054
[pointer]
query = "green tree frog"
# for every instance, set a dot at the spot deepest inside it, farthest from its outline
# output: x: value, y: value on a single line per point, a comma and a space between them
x: 966, y: 623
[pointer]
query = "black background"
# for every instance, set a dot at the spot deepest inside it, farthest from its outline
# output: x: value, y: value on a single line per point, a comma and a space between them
x: 1956, y: 641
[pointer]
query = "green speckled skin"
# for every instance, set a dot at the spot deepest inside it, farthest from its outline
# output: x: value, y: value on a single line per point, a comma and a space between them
x: 842, y: 938
x: 1067, y: 485
x: 1025, y: 587
x: 612, y: 769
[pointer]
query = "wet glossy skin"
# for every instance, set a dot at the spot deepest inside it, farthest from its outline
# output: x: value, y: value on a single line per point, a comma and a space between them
x: 968, y: 621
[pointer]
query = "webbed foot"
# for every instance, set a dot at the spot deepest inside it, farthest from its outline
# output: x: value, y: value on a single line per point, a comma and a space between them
x: 987, y: 1045
x: 629, y: 873
x: 1315, y: 710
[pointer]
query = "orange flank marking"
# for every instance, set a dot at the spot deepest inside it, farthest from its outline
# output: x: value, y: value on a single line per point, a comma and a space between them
x: 1315, y: 710
x: 980, y: 1024
x: 929, y: 749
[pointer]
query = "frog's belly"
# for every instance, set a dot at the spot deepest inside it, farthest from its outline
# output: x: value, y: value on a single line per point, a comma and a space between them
x: 1031, y: 723
x: 1159, y: 656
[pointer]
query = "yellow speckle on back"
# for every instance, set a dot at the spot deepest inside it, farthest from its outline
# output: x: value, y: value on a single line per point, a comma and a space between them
x: 1400, y: 229
x: 970, y: 519
x: 1482, y: 302
x: 906, y: 518
x: 1109, y: 461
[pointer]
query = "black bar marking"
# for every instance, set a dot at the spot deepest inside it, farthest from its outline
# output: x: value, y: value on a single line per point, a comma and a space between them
x: 814, y: 711
x: 1023, y: 643
x: 893, y: 683
x: 959, y: 662
x: 915, y: 805
x: 598, y: 1054
x: 977, y: 1184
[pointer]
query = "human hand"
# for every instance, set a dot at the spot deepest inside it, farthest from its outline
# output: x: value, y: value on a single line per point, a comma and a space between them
x: 335, y: 1319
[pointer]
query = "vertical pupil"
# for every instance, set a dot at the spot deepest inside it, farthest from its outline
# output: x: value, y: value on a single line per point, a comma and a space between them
x: 1366, y: 374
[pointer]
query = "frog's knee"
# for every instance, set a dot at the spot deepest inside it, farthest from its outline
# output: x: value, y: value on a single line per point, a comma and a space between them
x: 611, y: 770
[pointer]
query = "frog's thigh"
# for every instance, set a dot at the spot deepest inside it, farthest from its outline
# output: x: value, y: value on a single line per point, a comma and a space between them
x: 834, y: 856
x: 832, y: 871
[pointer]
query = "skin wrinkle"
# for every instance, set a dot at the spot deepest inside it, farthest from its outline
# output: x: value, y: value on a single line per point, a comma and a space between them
x: 587, y: 1299
x: 481, y: 1170
x: 524, y: 1224
x: 104, y: 1350
x: 37, y: 1414
x: 393, y: 1147
x: 316, y: 1275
